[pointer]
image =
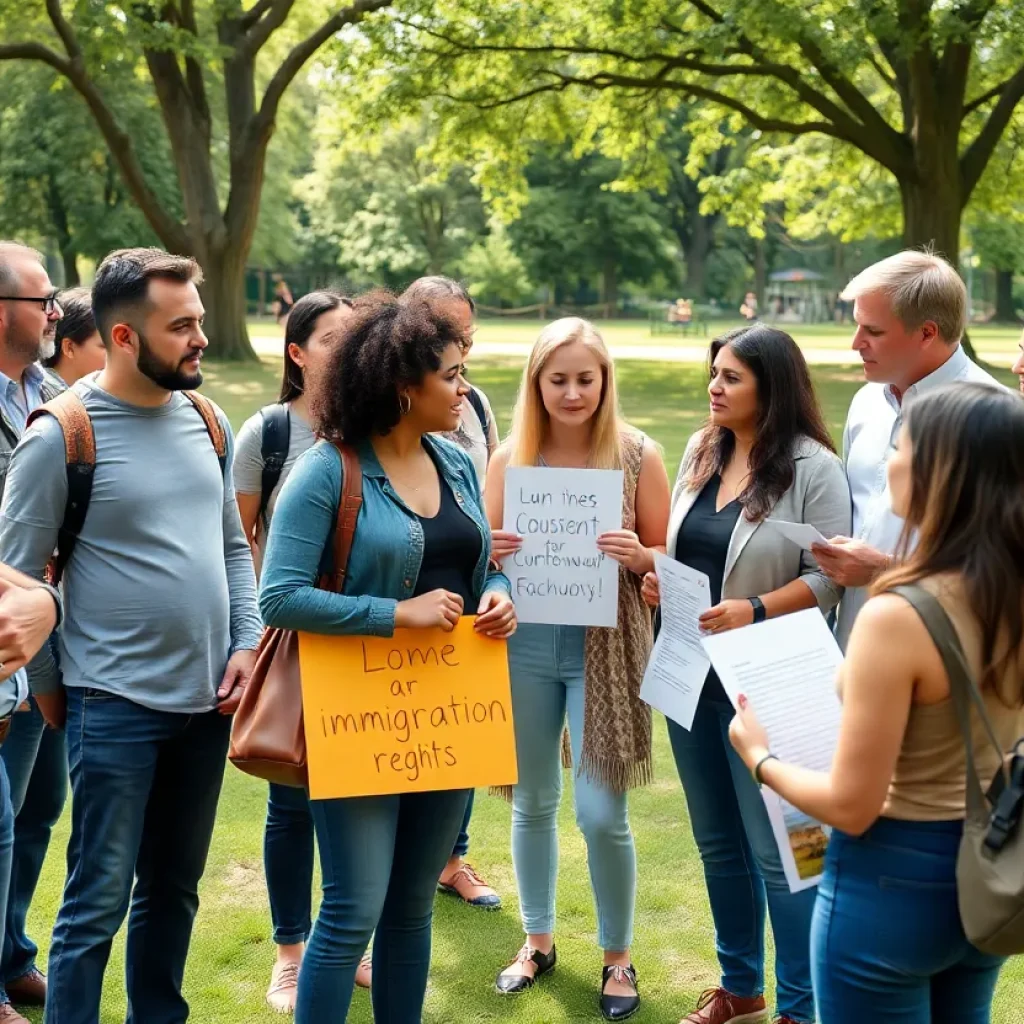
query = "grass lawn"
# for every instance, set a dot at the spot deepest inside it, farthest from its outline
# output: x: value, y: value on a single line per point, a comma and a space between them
x: 674, y: 948
x: 993, y: 343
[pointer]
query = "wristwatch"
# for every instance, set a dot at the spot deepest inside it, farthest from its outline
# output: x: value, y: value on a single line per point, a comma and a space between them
x: 760, y: 613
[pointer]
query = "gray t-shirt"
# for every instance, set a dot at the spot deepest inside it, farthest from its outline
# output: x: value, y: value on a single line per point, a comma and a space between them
x: 248, y: 468
x: 160, y: 590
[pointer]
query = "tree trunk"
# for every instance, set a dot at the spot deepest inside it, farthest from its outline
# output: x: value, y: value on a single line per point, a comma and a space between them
x: 69, y: 258
x: 931, y: 217
x: 223, y: 294
x: 610, y: 286
x: 1005, y: 312
x: 760, y: 274
x: 696, y: 253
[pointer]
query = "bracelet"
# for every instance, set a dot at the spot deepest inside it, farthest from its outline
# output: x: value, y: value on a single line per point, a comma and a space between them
x: 760, y: 612
x: 760, y: 765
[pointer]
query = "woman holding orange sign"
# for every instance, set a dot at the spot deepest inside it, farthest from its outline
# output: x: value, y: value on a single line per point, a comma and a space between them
x: 421, y: 558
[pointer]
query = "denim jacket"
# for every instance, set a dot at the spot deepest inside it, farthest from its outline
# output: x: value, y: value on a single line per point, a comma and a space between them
x: 387, y: 552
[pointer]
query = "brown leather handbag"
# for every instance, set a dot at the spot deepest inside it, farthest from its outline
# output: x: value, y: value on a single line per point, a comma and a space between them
x: 267, y: 735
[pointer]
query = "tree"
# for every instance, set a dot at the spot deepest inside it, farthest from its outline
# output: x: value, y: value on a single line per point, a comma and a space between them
x: 57, y: 177
x: 922, y: 88
x: 186, y: 51
x: 494, y: 271
x: 389, y: 212
x: 999, y: 242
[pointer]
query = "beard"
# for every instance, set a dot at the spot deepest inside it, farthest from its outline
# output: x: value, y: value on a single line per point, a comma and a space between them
x: 170, y: 378
x: 31, y: 346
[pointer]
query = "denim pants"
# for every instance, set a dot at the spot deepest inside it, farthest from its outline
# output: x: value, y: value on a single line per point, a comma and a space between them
x: 145, y: 786
x: 6, y: 845
x: 380, y: 857
x: 546, y: 668
x: 462, y: 842
x: 288, y: 863
x: 35, y: 758
x: 887, y: 942
x: 742, y: 867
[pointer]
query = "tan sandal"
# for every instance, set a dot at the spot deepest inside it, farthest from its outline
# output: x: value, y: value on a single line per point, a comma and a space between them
x: 364, y: 972
x: 284, y: 987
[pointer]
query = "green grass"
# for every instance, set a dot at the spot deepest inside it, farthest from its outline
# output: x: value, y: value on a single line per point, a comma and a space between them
x: 674, y: 948
x: 993, y: 343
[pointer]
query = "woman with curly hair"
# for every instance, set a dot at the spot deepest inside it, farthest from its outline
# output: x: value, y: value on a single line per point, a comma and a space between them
x: 421, y: 558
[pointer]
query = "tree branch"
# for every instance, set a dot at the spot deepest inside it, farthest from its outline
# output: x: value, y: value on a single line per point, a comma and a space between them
x: 64, y: 30
x: 35, y: 51
x: 253, y: 15
x: 193, y: 70
x: 975, y: 159
x: 273, y: 17
x: 981, y: 100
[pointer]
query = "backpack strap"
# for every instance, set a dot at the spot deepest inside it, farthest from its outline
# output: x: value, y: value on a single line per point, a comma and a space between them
x: 348, y: 512
x: 481, y: 414
x: 80, y: 458
x: 276, y: 438
x: 214, y: 428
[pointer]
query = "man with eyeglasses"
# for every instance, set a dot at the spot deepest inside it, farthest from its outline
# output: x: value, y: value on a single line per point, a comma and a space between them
x: 33, y: 756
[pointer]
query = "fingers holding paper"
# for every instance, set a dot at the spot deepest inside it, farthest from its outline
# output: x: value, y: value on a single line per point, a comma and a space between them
x: 851, y: 563
x: 730, y: 614
x: 496, y: 616
x: 504, y: 543
x: 650, y: 590
x: 747, y: 734
x: 625, y: 547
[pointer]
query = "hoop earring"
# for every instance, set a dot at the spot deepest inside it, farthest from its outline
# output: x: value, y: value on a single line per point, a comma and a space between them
x: 406, y: 408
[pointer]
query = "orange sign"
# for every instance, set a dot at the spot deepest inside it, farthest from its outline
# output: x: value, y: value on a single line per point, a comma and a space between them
x: 421, y: 710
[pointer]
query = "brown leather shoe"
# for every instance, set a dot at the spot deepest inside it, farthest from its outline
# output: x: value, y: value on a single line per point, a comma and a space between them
x: 716, y: 1006
x: 9, y: 1015
x: 28, y: 990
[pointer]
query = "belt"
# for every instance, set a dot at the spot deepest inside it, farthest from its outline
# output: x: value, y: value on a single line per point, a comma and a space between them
x: 5, y: 727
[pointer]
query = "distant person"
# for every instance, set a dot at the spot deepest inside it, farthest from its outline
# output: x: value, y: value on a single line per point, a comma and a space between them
x: 765, y: 451
x: 34, y: 757
x: 1018, y: 366
x: 910, y: 311
x: 268, y: 446
x: 158, y: 639
x: 887, y: 941
x: 283, y: 301
x: 421, y: 558
x: 567, y: 416
x: 79, y: 347
x: 477, y: 435
x: 748, y: 309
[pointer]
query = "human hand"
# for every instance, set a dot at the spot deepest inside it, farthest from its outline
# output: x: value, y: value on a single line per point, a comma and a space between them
x: 727, y: 615
x: 27, y: 618
x: 236, y: 678
x: 747, y: 734
x: 504, y: 543
x: 438, y: 608
x: 496, y: 616
x: 650, y: 590
x: 625, y: 547
x: 849, y: 562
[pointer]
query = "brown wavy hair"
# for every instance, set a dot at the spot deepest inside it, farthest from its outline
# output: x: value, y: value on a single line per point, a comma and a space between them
x: 787, y: 410
x: 966, y: 515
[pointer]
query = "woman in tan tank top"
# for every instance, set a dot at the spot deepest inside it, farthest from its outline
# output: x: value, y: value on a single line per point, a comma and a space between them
x: 887, y: 940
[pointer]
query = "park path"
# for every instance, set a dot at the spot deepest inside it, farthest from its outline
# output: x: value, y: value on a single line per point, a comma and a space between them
x: 271, y: 346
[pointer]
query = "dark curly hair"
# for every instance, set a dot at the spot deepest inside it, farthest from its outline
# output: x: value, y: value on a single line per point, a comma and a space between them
x: 388, y: 344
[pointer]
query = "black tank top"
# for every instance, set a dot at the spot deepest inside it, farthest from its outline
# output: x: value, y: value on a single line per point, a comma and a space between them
x: 451, y: 549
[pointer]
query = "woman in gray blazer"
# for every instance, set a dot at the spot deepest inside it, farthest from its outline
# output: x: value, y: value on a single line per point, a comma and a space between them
x: 764, y: 454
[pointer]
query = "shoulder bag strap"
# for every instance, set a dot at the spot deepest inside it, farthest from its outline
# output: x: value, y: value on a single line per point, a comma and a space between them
x: 274, y: 441
x: 214, y: 428
x: 348, y: 512
x: 961, y: 687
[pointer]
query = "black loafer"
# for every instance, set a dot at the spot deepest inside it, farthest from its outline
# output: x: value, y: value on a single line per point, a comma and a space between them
x: 619, y: 1007
x: 511, y: 984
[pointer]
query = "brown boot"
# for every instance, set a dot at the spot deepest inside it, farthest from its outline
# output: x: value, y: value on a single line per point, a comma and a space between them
x: 28, y: 990
x: 716, y: 1006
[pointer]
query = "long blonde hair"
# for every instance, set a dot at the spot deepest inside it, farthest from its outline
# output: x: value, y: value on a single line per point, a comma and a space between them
x: 530, y: 420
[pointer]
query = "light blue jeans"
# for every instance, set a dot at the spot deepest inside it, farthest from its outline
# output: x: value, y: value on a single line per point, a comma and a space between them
x: 546, y: 667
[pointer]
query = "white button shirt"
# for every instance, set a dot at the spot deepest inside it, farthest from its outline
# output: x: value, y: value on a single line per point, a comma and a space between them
x: 872, y: 427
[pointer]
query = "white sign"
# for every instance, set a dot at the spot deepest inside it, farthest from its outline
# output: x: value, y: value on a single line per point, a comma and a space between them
x: 679, y: 664
x: 559, y: 576
x: 787, y: 669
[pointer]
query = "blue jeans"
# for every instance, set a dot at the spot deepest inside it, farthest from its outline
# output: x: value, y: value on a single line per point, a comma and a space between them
x: 462, y: 843
x: 546, y: 668
x: 35, y: 758
x: 742, y: 867
x: 887, y: 942
x: 380, y: 857
x: 145, y: 786
x: 6, y: 846
x: 288, y: 863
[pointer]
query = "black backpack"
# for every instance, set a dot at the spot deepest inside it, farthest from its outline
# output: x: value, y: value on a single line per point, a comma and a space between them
x: 277, y: 431
x: 481, y: 413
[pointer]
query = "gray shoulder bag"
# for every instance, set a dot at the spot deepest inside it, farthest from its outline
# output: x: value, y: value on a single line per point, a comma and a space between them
x: 990, y: 865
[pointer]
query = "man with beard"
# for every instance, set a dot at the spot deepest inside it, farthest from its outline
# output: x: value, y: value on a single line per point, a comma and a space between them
x: 158, y: 640
x: 33, y: 756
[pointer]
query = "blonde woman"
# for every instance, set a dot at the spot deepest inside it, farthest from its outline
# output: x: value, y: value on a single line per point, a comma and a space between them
x: 567, y: 416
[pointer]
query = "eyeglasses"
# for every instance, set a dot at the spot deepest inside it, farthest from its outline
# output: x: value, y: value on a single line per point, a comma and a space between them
x: 49, y: 302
